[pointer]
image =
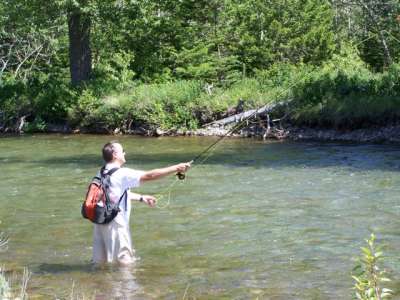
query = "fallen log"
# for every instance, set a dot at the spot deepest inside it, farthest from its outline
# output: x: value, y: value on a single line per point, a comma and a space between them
x: 266, y: 109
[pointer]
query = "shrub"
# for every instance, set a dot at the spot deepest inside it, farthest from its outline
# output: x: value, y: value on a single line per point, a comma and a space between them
x: 345, y: 93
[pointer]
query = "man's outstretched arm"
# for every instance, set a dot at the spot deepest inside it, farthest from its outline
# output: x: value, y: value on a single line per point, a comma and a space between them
x: 159, y: 173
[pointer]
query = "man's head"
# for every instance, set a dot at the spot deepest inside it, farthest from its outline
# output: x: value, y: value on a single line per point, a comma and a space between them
x: 113, y: 152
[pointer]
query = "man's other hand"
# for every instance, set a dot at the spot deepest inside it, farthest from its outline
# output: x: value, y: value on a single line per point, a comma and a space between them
x: 150, y: 200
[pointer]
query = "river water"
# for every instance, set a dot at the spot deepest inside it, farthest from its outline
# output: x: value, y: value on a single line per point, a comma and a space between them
x: 266, y: 220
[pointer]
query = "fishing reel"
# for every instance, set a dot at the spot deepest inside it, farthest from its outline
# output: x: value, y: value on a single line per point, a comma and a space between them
x: 181, y: 176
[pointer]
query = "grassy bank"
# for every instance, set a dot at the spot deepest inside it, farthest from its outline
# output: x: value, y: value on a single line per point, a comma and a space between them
x: 342, y: 93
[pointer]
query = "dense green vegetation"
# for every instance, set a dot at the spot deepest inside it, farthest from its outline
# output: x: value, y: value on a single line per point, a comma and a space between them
x: 179, y: 64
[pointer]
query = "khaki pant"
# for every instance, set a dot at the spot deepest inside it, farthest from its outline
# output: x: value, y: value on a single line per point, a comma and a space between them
x: 112, y: 243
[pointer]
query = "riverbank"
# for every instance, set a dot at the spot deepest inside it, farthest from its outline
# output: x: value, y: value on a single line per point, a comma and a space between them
x: 382, y: 134
x: 313, y: 102
x: 334, y: 95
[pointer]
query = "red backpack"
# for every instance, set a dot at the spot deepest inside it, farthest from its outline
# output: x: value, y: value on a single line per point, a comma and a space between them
x: 97, y: 206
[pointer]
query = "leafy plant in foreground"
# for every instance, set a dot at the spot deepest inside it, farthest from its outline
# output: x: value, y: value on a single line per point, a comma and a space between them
x: 369, y: 277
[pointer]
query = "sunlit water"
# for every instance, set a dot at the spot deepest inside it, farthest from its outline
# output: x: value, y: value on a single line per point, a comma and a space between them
x: 266, y: 220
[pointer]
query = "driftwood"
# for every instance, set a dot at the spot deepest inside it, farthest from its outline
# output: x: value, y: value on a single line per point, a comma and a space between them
x: 253, y: 113
x: 20, y: 125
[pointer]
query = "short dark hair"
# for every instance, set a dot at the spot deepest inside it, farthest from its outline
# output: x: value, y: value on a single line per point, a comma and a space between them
x: 108, y: 151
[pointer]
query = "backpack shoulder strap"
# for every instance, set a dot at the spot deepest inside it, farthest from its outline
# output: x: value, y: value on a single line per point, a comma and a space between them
x: 125, y: 197
x: 105, y: 181
x: 109, y: 173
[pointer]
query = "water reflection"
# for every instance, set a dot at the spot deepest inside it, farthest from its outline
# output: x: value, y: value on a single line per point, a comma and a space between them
x: 96, y: 282
x: 121, y: 282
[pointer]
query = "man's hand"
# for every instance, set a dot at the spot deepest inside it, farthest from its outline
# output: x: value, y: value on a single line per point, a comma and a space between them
x: 183, y: 167
x: 150, y: 200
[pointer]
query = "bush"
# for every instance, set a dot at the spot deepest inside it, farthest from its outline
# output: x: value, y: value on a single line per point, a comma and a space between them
x: 14, y: 102
x: 345, y: 93
x: 112, y: 74
x: 37, y: 125
x: 46, y: 97
x: 164, y: 106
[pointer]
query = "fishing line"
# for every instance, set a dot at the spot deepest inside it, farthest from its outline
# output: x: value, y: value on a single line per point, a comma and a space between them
x: 237, y: 126
x: 180, y: 176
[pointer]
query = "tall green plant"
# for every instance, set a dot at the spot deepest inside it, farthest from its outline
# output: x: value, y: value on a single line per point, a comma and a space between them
x: 369, y: 277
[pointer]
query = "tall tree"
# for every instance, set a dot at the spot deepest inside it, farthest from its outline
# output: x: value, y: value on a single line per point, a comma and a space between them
x: 80, y: 54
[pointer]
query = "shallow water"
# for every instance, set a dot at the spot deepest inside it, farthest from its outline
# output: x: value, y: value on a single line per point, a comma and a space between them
x: 267, y: 220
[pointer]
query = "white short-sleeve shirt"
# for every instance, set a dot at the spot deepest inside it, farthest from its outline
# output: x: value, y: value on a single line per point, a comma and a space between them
x: 122, y: 180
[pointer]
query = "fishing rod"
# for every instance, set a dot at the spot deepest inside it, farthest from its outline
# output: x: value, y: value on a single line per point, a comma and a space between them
x: 181, y: 176
x: 243, y: 121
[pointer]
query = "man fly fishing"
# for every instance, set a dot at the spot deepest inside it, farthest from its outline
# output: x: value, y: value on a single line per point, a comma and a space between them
x: 112, y: 238
x: 111, y: 210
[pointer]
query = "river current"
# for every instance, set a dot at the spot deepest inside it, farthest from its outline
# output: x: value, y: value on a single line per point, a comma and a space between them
x: 255, y: 220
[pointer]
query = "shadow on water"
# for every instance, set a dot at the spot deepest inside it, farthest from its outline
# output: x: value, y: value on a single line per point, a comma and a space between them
x: 56, y: 268
x: 46, y: 268
x: 257, y: 155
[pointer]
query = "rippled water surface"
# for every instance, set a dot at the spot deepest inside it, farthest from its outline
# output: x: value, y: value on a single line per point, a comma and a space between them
x: 266, y: 220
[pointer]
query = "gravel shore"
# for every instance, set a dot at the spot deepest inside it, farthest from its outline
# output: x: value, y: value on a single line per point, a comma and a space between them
x: 388, y: 134
x: 383, y: 134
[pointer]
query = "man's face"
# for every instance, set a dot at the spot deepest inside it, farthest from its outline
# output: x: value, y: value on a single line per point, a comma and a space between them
x: 119, y: 154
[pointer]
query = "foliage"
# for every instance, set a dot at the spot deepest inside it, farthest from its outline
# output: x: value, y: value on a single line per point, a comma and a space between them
x: 201, y: 63
x: 262, y: 33
x: 179, y: 64
x: 156, y: 105
x: 369, y: 278
x: 373, y: 26
x: 345, y: 93
x: 341, y: 93
x: 37, y: 125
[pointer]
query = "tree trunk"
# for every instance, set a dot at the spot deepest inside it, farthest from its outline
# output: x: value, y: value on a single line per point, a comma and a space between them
x: 80, y: 55
x: 388, y: 57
